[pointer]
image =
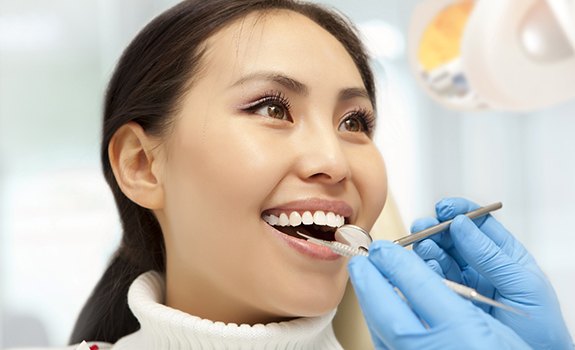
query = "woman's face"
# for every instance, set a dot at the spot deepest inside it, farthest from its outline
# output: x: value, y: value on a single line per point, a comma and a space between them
x: 275, y: 126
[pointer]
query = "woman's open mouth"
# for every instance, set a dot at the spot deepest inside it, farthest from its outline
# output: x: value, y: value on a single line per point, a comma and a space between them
x: 315, y: 217
x: 318, y: 224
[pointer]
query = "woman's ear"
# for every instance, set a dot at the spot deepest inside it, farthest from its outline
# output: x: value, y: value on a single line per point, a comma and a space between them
x: 133, y: 157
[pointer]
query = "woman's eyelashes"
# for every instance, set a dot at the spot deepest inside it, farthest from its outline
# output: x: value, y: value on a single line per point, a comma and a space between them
x: 276, y: 105
x: 358, y: 120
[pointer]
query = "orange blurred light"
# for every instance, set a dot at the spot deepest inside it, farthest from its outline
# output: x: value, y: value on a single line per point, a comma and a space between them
x: 440, y: 43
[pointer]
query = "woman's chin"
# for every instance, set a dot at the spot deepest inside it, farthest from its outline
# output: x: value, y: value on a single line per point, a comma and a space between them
x: 315, y: 304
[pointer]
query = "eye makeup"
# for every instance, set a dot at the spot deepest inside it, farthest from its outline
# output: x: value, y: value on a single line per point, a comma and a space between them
x: 270, y: 99
x: 365, y: 117
x: 359, y: 119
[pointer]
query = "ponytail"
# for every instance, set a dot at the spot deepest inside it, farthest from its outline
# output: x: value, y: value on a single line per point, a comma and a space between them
x: 106, y: 316
x: 108, y: 298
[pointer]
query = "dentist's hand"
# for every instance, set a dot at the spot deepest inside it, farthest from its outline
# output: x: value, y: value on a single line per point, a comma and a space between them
x: 452, y: 322
x: 482, y: 254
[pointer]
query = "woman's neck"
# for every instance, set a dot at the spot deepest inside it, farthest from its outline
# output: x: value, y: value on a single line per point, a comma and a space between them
x: 197, y: 296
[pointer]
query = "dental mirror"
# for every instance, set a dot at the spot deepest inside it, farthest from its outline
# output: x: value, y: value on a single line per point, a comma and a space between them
x: 354, y: 236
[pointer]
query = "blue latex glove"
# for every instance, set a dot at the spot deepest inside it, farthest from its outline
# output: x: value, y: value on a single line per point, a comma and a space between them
x: 436, y: 317
x: 482, y: 254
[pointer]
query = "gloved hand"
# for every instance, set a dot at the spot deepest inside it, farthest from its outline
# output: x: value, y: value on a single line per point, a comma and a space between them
x: 483, y: 255
x: 448, y: 321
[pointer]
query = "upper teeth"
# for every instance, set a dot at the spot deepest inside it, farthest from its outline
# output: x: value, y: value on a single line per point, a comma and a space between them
x: 307, y: 218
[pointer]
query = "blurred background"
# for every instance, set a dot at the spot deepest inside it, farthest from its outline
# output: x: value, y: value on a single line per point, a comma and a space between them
x: 58, y: 222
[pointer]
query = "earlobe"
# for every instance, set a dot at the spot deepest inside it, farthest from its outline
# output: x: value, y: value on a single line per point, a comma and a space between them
x: 132, y: 155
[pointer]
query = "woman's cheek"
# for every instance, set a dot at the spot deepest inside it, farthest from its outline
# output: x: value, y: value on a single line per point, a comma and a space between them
x: 373, y: 187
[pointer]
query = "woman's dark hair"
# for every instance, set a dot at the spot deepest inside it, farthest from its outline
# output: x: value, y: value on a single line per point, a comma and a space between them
x: 152, y: 75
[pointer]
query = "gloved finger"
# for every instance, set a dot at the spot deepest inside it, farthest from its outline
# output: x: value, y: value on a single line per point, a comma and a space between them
x: 481, y: 253
x: 504, y: 239
x: 428, y: 249
x: 428, y: 296
x: 448, y: 208
x: 425, y: 223
x: 443, y: 239
x: 434, y: 265
x: 422, y: 224
x: 385, y: 312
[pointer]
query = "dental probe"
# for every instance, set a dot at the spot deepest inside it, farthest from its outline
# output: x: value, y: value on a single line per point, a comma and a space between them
x: 464, y: 291
x: 357, y: 237
x: 421, y: 235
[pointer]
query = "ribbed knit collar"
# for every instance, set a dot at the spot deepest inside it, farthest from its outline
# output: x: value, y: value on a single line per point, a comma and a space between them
x: 163, y: 327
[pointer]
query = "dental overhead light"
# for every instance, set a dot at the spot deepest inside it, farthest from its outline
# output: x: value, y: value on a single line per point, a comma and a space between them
x: 514, y: 55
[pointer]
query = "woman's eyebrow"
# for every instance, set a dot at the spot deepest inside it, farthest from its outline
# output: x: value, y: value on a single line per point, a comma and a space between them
x: 299, y: 87
x: 279, y: 78
x: 349, y: 93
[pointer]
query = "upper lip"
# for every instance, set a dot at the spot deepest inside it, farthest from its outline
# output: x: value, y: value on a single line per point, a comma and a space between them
x: 338, y: 207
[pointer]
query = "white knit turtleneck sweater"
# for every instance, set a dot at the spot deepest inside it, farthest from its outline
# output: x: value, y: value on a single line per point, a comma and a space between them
x: 163, y: 327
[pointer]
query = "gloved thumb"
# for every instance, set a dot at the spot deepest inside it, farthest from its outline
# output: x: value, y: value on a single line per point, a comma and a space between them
x: 482, y: 254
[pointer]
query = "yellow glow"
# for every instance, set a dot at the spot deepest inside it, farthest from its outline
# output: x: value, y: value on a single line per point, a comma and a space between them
x: 440, y: 43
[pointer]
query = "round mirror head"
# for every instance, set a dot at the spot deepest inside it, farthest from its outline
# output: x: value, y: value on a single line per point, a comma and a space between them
x: 354, y: 236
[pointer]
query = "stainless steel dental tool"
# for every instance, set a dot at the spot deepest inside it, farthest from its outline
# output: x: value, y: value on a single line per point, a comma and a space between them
x: 353, y: 236
x: 352, y: 241
x: 421, y: 235
x: 466, y: 292
x: 356, y: 237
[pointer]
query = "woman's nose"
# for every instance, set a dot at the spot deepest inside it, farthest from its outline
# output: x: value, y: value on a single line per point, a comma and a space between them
x: 322, y: 158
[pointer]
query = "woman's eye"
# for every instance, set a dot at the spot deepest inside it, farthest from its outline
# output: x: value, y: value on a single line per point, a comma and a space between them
x: 358, y: 121
x: 272, y: 105
x: 273, y: 110
x: 353, y: 124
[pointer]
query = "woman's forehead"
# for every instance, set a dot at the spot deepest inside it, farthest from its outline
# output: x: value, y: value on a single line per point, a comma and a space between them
x: 282, y: 41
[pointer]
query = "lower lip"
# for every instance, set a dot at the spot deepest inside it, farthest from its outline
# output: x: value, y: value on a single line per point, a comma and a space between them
x: 306, y: 248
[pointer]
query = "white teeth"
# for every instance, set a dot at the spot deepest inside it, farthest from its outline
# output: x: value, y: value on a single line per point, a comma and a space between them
x: 330, y: 217
x: 294, y: 218
x: 271, y: 219
x: 283, y: 220
x: 307, y: 218
x: 319, y: 218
